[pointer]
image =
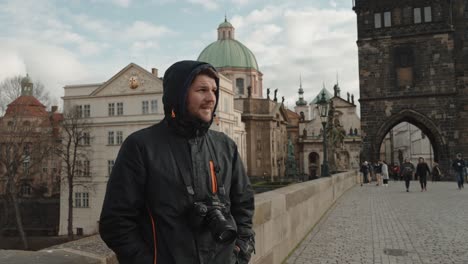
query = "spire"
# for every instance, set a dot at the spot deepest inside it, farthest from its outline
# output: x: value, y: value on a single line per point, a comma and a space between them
x: 301, y: 101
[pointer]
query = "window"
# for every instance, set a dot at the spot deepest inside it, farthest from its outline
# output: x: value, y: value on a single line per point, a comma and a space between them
x: 111, y: 109
x: 79, y: 168
x: 240, y: 86
x: 144, y: 107
x: 44, y: 168
x: 427, y: 14
x: 87, y: 110
x: 79, y: 110
x: 417, y: 15
x: 404, y: 66
x: 81, y: 200
x: 387, y: 19
x: 26, y: 166
x: 119, y: 138
x: 86, y: 168
x: 26, y: 189
x: 154, y: 106
x: 378, y: 20
x: 120, y: 109
x: 86, y: 140
x: 110, y: 165
x: 110, y: 138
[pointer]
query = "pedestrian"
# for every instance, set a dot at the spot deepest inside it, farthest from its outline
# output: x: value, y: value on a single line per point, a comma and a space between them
x: 422, y: 170
x: 365, y: 172
x: 385, y: 175
x: 436, y: 173
x: 178, y: 192
x: 459, y: 166
x: 395, y: 171
x: 407, y: 172
x: 371, y: 172
x: 378, y: 172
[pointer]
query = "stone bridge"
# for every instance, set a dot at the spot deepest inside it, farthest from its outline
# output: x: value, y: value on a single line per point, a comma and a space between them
x: 329, y: 220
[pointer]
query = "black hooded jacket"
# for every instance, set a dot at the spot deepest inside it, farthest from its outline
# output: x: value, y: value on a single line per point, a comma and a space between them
x: 147, y: 215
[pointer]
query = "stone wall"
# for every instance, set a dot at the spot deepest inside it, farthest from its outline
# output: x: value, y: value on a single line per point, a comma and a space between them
x: 283, y: 217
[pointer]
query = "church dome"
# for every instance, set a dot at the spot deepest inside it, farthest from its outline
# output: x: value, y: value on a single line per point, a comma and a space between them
x: 227, y: 52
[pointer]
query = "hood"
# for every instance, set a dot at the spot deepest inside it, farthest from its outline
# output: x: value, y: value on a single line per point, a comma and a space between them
x: 176, y: 82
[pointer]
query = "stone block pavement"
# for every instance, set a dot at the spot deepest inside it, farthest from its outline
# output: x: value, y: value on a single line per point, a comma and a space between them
x: 384, y: 225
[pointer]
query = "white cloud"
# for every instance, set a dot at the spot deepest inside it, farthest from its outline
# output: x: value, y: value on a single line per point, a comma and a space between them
x: 333, y: 3
x: 122, y: 3
x: 141, y: 30
x: 207, y: 4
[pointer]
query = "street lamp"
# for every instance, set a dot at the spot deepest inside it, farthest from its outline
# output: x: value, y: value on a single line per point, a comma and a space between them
x: 322, y: 105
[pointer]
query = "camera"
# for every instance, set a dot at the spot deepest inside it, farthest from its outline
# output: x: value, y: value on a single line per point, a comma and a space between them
x: 211, y: 214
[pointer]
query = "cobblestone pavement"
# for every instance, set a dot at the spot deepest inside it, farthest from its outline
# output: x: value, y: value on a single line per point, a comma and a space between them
x: 372, y: 224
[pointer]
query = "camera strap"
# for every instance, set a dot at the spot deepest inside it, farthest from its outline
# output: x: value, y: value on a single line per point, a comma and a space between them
x: 176, y: 149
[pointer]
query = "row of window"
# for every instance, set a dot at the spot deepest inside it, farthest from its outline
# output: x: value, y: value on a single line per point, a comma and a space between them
x: 420, y: 15
x: 113, y: 138
x: 117, y: 109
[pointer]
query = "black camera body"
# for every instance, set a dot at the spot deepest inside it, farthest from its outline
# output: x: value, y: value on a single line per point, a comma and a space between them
x: 211, y: 214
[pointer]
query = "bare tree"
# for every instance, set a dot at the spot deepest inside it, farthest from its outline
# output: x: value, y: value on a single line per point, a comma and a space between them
x: 25, y: 143
x: 10, y: 89
x: 74, y: 152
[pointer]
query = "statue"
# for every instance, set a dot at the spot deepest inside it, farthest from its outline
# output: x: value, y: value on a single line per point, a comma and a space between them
x: 355, y: 132
x: 304, y: 133
x: 291, y: 169
x: 347, y: 95
x: 352, y: 98
x: 282, y: 99
x: 276, y: 99
x: 268, y: 93
x: 249, y: 91
x: 350, y: 131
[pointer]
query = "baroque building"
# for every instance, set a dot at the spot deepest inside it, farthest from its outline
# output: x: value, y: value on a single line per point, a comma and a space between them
x: 265, y: 118
x: 343, y: 132
x: 412, y: 65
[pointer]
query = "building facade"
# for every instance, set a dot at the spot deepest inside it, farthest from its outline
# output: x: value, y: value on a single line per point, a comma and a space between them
x: 343, y: 149
x: 412, y: 64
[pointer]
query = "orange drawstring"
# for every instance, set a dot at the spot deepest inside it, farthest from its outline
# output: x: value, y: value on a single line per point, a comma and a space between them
x: 173, y: 114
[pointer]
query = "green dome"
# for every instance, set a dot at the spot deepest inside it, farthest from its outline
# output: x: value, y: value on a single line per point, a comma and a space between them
x: 228, y: 53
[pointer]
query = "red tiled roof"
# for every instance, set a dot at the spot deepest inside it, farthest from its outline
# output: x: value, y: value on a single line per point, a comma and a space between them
x: 26, y: 105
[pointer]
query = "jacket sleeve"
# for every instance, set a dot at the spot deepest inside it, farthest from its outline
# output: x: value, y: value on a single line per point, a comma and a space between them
x: 124, y: 205
x: 242, y: 209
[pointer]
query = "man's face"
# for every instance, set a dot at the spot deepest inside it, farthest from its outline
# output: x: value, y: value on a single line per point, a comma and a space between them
x: 201, y: 98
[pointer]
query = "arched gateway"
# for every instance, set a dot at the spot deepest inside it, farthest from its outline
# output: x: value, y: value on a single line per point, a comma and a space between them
x: 413, y: 58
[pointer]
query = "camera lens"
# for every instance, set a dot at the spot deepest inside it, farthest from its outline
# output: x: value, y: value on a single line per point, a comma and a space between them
x: 221, y: 230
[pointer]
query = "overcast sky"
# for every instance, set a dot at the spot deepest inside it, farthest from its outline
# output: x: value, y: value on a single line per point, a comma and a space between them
x: 87, y: 41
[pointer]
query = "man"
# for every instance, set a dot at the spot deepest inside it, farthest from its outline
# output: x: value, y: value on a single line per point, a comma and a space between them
x: 407, y: 172
x: 422, y: 170
x: 365, y: 171
x: 178, y: 192
x: 459, y: 166
x: 378, y: 172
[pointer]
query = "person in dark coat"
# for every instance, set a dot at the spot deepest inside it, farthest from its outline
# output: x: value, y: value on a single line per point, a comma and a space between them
x: 422, y: 170
x: 436, y: 172
x: 459, y: 166
x: 178, y: 192
x: 365, y: 172
x: 407, y: 172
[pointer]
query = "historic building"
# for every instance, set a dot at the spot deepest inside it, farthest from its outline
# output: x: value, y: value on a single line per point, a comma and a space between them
x: 129, y: 101
x: 343, y: 133
x: 265, y: 119
x: 29, y: 166
x: 235, y: 61
x: 412, y: 64
x: 27, y: 132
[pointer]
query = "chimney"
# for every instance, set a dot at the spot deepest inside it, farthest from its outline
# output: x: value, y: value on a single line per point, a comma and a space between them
x: 54, y: 108
x: 154, y: 71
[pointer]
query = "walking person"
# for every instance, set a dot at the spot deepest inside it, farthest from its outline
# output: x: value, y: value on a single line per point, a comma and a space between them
x: 459, y: 167
x: 422, y: 170
x: 179, y: 192
x: 385, y: 175
x: 378, y: 172
x: 365, y: 172
x: 436, y: 173
x: 396, y: 172
x: 407, y: 172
